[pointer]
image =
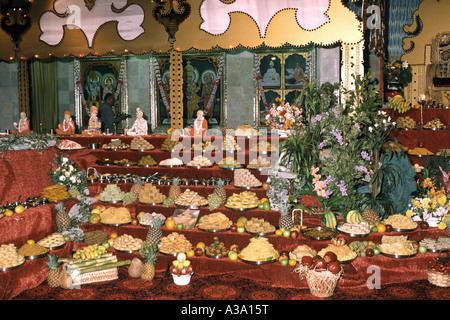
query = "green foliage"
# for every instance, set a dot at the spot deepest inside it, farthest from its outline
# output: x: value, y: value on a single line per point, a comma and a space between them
x: 32, y: 141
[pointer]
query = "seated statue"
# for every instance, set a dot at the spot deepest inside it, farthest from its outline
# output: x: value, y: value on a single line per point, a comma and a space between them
x: 67, y: 126
x: 200, y: 125
x: 23, y: 126
x: 140, y: 125
x: 95, y: 125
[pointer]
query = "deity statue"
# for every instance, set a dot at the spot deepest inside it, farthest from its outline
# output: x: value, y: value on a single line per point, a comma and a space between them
x: 67, y: 126
x: 95, y: 125
x: 200, y: 125
x: 23, y: 126
x: 191, y: 90
x: 207, y: 89
x: 140, y: 125
x: 93, y: 88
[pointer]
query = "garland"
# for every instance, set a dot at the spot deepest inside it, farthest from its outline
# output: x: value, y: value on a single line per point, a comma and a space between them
x: 161, y: 86
x: 259, y: 78
x: 216, y: 84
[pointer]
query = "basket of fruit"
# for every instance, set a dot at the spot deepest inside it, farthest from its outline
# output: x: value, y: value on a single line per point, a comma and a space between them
x: 321, y: 273
x: 439, y: 271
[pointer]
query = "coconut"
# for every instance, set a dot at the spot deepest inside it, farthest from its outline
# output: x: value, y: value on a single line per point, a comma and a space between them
x: 135, y: 268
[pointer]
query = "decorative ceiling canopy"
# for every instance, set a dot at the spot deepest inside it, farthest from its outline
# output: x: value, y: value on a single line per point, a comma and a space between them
x: 60, y: 28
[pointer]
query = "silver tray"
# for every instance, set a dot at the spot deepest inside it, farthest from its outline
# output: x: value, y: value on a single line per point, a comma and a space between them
x: 240, y: 209
x: 190, y: 207
x: 150, y: 203
x: 198, y: 167
x: 304, y: 231
x: 57, y: 247
x: 170, y: 254
x: 398, y: 256
x: 115, y: 224
x: 231, y: 167
x: 248, y: 188
x: 142, y: 150
x: 146, y: 165
x: 259, y: 169
x: 215, y: 257
x: 213, y: 230
x: 438, y: 250
x: 12, y: 268
x: 38, y: 256
x: 112, y: 202
x: 404, y: 230
x: 126, y: 251
x: 257, y: 262
x: 171, y: 166
x: 261, y: 234
x: 353, y: 235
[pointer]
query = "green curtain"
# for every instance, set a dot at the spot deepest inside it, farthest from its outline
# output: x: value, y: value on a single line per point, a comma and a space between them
x: 44, y: 95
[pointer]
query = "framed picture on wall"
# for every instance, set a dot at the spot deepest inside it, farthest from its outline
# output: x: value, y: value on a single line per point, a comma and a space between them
x: 294, y: 70
x: 270, y: 66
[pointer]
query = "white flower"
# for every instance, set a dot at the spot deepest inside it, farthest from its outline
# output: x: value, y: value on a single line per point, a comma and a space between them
x: 73, y: 179
x: 65, y: 160
x: 370, y: 129
x: 394, y: 123
x: 70, y: 168
x: 405, y: 64
x: 62, y: 178
x: 280, y: 108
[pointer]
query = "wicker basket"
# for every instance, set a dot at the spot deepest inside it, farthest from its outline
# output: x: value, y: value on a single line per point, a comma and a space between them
x: 321, y: 283
x: 439, y: 279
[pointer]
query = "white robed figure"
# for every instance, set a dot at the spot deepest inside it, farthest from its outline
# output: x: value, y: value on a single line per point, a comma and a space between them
x: 140, y: 125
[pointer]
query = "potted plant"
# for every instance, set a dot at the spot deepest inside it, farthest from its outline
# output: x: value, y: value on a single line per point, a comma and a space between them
x: 397, y: 74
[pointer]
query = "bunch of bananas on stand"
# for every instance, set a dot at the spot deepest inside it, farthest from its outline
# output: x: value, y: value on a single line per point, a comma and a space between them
x: 399, y: 104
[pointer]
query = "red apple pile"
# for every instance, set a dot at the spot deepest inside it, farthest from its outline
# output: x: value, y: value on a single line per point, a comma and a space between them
x: 440, y: 265
x: 328, y: 262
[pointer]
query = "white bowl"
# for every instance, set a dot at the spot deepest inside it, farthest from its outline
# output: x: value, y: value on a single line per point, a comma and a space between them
x: 182, y: 280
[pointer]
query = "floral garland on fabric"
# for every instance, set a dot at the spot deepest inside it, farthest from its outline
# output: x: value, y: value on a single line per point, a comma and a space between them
x: 212, y: 97
x: 398, y: 71
x: 67, y: 173
x: 161, y: 86
x: 283, y: 116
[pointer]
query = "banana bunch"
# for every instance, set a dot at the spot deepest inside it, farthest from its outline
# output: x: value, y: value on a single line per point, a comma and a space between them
x: 399, y: 104
x: 89, y: 252
x: 329, y: 220
x: 354, y: 216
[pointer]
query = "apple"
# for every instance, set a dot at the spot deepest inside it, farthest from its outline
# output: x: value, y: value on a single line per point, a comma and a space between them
x: 388, y: 228
x: 330, y: 257
x: 294, y: 234
x: 424, y: 225
x: 284, y: 262
x: 190, y: 269
x: 176, y: 271
x: 183, y: 271
x: 240, y: 229
x: 334, y: 267
x: 370, y: 252
x: 320, y: 263
x: 376, y: 251
x: 67, y: 238
x: 233, y: 256
x: 198, y: 252
x: 233, y: 228
x: 134, y: 222
x: 422, y: 249
x: 286, y: 233
x: 307, y: 261
x: 180, y: 226
x: 106, y: 244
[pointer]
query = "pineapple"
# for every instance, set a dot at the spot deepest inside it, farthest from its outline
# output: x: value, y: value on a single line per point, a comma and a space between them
x: 53, y: 271
x: 154, y: 234
x: 62, y: 217
x: 149, y: 252
x: 218, y: 197
x: 137, y: 186
x: 285, y: 222
x: 174, y: 193
x: 370, y: 216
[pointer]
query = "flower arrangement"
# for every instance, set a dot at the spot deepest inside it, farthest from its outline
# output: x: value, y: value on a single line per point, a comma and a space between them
x: 283, y: 116
x: 433, y: 205
x: 398, y: 71
x: 67, y: 173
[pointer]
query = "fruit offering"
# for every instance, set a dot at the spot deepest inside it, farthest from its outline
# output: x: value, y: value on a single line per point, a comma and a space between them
x: 174, y: 243
x: 147, y: 161
x: 52, y: 241
x: 139, y: 143
x: 214, y: 221
x: 243, y: 200
x: 112, y: 193
x: 259, y: 163
x: 217, y: 249
x: 181, y: 266
x: 364, y: 248
x: 89, y: 252
x: 440, y: 264
x: 243, y: 178
x: 190, y: 198
x: 401, y: 222
x: 149, y: 194
x: 229, y: 163
x: 204, y: 146
x: 329, y: 263
x: 263, y: 147
x: 127, y: 243
x: 199, y: 161
x: 229, y: 144
x: 259, y: 226
x: 9, y: 256
x: 115, y: 144
x: 397, y: 245
x: 95, y: 237
x: 399, y: 104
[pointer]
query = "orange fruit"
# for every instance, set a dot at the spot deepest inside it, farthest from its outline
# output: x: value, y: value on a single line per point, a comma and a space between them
x: 279, y: 232
x: 96, y: 211
x: 8, y: 213
x: 19, y: 209
x: 113, y: 236
x: 30, y: 242
x: 264, y: 200
x: 292, y: 262
x: 190, y: 253
x: 200, y: 245
x: 170, y: 224
x: 240, y: 224
x: 381, y: 228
